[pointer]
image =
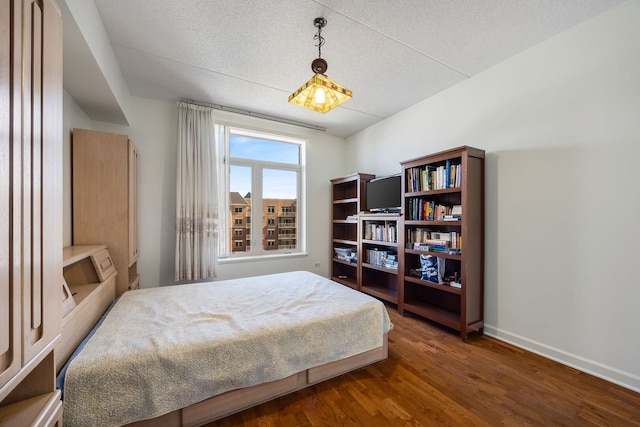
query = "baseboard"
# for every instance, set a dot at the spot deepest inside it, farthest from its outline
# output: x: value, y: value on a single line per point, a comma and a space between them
x: 608, y: 373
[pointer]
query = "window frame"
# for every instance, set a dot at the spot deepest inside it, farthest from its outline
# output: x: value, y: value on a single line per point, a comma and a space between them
x: 257, y: 240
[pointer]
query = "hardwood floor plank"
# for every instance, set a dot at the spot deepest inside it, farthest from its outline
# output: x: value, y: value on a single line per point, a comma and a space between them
x: 432, y: 378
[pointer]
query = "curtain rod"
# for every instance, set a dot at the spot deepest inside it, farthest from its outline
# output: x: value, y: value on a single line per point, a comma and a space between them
x: 258, y: 115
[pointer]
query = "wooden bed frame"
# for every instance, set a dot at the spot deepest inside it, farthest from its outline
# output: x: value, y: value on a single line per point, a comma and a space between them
x: 234, y: 401
x: 82, y: 317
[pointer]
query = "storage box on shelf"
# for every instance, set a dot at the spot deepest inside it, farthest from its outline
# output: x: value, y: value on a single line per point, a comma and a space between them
x: 379, y: 264
x: 443, y: 254
x: 347, y: 198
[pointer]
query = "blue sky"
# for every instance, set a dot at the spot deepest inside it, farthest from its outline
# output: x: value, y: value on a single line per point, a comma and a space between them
x: 277, y: 184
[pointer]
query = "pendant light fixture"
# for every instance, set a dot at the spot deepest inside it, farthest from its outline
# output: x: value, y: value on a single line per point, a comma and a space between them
x: 320, y: 93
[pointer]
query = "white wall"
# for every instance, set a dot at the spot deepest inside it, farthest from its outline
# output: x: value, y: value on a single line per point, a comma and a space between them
x: 154, y: 131
x: 560, y: 124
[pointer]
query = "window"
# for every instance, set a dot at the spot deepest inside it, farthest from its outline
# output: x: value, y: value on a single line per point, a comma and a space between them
x: 262, y: 188
x: 238, y: 233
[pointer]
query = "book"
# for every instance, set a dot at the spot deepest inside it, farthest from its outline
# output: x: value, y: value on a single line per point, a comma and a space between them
x: 447, y: 174
x: 436, y: 235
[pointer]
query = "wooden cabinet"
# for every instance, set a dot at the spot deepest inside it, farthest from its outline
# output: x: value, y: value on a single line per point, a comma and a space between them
x: 90, y: 288
x: 347, y: 198
x: 380, y: 237
x: 31, y: 210
x: 443, y: 206
x: 105, y: 199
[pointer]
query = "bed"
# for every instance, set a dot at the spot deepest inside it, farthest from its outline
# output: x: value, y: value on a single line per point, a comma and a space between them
x: 191, y: 354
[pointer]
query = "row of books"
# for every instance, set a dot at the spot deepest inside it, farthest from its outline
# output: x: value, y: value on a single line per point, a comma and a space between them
x: 380, y: 232
x: 419, y: 238
x: 449, y: 243
x: 418, y: 209
x: 427, y: 178
x: 382, y: 258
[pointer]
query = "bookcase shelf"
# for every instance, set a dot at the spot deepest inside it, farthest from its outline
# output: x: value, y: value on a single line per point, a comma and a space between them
x: 433, y: 223
x: 382, y: 292
x: 379, y: 268
x: 432, y: 312
x: 379, y: 243
x: 438, y: 254
x: 439, y: 286
x: 347, y: 199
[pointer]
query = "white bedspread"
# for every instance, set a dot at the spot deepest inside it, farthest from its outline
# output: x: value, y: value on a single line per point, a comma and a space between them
x: 166, y: 348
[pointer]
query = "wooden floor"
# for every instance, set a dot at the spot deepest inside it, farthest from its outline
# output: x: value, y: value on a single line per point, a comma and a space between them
x: 432, y: 378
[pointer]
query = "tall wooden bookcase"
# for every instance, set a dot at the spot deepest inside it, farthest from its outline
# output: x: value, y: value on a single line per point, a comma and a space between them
x: 348, y: 198
x: 432, y: 185
x: 30, y: 211
x: 105, y: 199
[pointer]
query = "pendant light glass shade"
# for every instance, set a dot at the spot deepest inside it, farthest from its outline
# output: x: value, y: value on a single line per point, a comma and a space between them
x: 320, y: 94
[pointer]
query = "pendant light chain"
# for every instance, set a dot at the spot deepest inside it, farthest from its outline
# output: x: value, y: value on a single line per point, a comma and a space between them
x: 320, y: 39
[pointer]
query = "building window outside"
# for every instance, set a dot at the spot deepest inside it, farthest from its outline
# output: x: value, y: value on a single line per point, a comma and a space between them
x: 263, y: 175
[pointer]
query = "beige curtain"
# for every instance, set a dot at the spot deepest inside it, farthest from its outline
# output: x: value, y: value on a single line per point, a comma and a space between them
x: 196, y: 190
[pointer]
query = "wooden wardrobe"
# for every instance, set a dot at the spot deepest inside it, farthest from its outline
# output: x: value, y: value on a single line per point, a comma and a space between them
x: 30, y: 210
x: 105, y: 199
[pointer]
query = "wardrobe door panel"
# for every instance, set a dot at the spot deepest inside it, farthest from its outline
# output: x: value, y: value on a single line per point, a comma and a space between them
x: 10, y: 356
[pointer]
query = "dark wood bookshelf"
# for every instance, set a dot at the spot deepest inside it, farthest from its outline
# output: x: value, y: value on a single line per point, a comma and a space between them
x: 461, y: 309
x: 347, y: 200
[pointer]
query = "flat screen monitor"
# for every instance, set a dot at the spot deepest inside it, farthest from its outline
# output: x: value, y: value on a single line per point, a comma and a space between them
x: 384, y: 194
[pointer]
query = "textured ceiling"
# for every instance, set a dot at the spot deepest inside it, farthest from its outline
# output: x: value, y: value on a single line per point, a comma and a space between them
x: 251, y: 54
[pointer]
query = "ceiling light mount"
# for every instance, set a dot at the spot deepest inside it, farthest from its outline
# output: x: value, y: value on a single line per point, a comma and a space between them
x: 320, y: 93
x: 319, y: 65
